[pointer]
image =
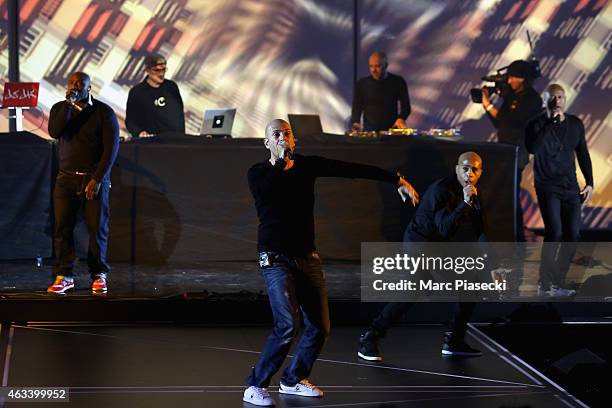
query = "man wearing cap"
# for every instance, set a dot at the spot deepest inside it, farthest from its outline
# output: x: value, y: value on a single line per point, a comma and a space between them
x: 155, y: 106
x: 521, y: 103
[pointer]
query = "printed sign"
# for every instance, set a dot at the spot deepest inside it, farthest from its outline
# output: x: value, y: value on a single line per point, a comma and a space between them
x: 20, y: 95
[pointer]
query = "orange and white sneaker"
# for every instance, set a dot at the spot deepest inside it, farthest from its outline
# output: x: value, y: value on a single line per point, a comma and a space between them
x: 61, y: 284
x: 99, y: 285
x: 304, y: 389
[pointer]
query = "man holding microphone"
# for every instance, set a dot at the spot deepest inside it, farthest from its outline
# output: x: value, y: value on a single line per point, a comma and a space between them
x: 88, y: 135
x: 283, y: 189
x: 449, y: 212
x: 556, y: 139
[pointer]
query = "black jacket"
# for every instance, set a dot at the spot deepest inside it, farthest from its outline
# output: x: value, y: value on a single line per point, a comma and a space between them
x: 555, y: 146
x: 285, y: 199
x: 378, y: 100
x: 512, y: 118
x: 443, y: 215
x: 88, y: 140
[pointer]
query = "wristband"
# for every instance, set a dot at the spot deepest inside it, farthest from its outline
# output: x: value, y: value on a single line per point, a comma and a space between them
x: 488, y: 108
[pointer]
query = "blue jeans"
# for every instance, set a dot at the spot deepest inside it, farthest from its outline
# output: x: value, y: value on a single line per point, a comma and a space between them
x: 294, y: 285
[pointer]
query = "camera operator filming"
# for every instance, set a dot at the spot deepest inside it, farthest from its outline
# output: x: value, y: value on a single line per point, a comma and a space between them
x: 521, y: 103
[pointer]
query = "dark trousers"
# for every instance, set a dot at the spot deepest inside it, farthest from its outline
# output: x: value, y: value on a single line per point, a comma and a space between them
x: 519, y: 225
x: 392, y: 312
x: 296, y: 289
x: 561, y: 215
x: 68, y: 200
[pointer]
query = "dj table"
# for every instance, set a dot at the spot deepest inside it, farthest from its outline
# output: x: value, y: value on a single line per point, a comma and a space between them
x: 185, y: 199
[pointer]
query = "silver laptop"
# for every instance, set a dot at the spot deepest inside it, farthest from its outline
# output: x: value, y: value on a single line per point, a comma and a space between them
x: 218, y: 122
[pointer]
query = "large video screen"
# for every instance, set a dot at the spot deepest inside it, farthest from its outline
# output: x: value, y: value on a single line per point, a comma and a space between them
x: 275, y: 57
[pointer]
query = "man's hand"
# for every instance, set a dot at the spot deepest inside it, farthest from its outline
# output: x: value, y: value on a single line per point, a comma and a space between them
x: 356, y: 127
x: 400, y: 124
x: 558, y: 113
x: 587, y: 192
x: 486, y: 98
x: 469, y: 191
x: 91, y: 189
x: 406, y: 190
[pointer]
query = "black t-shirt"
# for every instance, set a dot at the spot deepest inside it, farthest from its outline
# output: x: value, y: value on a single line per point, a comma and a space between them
x: 513, y: 116
x: 156, y: 110
x: 555, y: 146
x: 443, y: 215
x: 285, y: 199
x: 88, y: 140
x: 378, y: 100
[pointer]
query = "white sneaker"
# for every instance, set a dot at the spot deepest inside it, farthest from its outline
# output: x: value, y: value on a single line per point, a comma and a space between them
x: 304, y: 388
x: 258, y: 396
x: 558, y: 291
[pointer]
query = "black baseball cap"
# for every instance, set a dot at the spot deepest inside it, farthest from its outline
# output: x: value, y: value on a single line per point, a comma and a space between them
x: 520, y: 69
x: 153, y: 60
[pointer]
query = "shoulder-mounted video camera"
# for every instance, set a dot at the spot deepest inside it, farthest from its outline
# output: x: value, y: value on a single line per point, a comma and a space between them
x: 530, y: 70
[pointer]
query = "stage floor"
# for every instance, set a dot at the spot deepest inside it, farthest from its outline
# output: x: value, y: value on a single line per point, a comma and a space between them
x: 165, y: 366
x: 343, y: 279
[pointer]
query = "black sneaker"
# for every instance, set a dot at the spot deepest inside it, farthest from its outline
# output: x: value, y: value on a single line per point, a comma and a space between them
x: 458, y: 348
x: 368, y: 347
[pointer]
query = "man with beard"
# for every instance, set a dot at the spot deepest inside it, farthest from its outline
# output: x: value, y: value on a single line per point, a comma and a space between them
x: 377, y: 97
x: 155, y: 105
x: 449, y: 212
x: 88, y: 135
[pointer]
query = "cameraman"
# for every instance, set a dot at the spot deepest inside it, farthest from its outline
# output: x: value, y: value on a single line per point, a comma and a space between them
x: 521, y: 103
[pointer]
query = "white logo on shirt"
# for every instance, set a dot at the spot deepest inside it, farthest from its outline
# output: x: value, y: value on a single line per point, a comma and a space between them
x: 161, y: 101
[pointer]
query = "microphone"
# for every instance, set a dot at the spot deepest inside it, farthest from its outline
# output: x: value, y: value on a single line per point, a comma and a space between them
x: 280, y: 161
x: 71, y: 100
x: 288, y: 153
x: 556, y: 119
x: 475, y: 202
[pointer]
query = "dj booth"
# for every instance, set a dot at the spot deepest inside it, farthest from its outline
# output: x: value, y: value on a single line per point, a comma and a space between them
x: 183, y: 199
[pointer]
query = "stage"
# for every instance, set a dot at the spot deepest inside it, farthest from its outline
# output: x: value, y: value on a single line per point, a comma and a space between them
x: 161, y: 366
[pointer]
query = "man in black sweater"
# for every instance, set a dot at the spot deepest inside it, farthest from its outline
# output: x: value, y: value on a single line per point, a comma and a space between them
x: 283, y: 189
x: 155, y: 106
x: 377, y: 97
x: 521, y: 103
x: 556, y: 139
x: 450, y: 211
x: 88, y: 135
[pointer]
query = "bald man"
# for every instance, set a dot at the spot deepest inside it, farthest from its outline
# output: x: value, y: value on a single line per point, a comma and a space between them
x: 556, y: 140
x: 88, y: 138
x: 283, y: 189
x: 377, y: 97
x: 450, y: 211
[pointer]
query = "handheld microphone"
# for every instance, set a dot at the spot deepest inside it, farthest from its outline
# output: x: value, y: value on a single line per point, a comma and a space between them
x: 474, y: 201
x: 71, y: 100
x: 288, y: 153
